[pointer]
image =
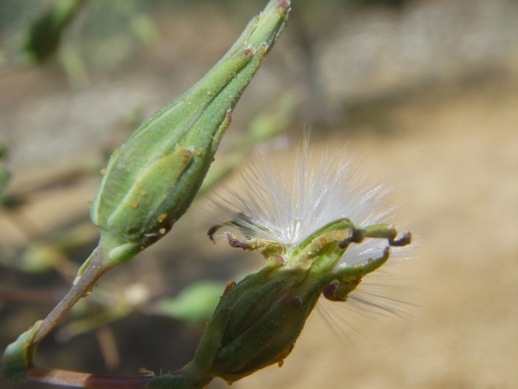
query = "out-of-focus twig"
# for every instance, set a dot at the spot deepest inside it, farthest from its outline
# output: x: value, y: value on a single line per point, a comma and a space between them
x: 264, y: 126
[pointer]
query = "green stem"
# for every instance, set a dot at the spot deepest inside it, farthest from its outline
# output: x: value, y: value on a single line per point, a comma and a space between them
x: 81, y: 288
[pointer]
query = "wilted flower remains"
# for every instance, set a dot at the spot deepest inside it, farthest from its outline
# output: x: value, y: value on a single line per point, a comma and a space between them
x: 284, y: 204
x: 312, y: 227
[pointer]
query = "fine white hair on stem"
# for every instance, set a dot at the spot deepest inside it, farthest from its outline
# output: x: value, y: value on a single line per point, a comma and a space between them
x: 286, y: 201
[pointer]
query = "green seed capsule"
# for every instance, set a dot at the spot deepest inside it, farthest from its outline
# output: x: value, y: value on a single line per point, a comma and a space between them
x: 258, y: 321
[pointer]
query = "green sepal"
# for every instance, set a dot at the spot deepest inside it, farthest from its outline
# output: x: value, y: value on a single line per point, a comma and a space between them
x: 210, y: 342
x: 249, y: 282
x: 342, y: 282
x: 151, y: 189
x: 255, y: 301
x: 280, y: 325
x: 18, y: 356
x: 283, y: 337
x: 333, y: 232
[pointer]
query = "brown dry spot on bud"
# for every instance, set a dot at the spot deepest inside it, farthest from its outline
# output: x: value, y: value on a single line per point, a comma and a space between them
x: 228, y: 288
x: 405, y: 240
x: 278, y: 259
x: 323, y: 241
x: 249, y: 51
x: 297, y: 301
x: 234, y: 242
x: 329, y: 292
x: 264, y: 49
x: 134, y: 204
x: 186, y: 156
x: 284, y: 4
x: 162, y: 231
x: 103, y: 171
x: 280, y: 363
x: 161, y: 218
x: 355, y: 237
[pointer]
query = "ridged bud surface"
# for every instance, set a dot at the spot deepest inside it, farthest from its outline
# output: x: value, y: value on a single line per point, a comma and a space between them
x: 152, y: 179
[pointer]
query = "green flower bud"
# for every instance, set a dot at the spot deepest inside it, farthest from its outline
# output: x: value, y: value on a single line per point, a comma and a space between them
x: 152, y: 179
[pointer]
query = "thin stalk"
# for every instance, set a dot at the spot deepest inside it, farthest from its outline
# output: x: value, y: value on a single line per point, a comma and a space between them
x: 84, y: 380
x: 84, y: 285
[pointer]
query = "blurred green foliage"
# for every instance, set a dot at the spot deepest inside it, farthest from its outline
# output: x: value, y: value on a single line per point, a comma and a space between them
x: 5, y: 175
x: 44, y: 34
x: 103, y: 34
x: 195, y: 303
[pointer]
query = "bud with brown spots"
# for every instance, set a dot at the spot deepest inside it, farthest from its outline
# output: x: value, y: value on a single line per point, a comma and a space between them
x: 152, y: 179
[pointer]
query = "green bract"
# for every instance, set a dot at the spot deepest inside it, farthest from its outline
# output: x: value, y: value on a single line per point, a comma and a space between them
x: 16, y: 358
x: 152, y: 179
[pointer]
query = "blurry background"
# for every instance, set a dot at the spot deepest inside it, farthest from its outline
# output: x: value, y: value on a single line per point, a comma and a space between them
x: 425, y: 90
